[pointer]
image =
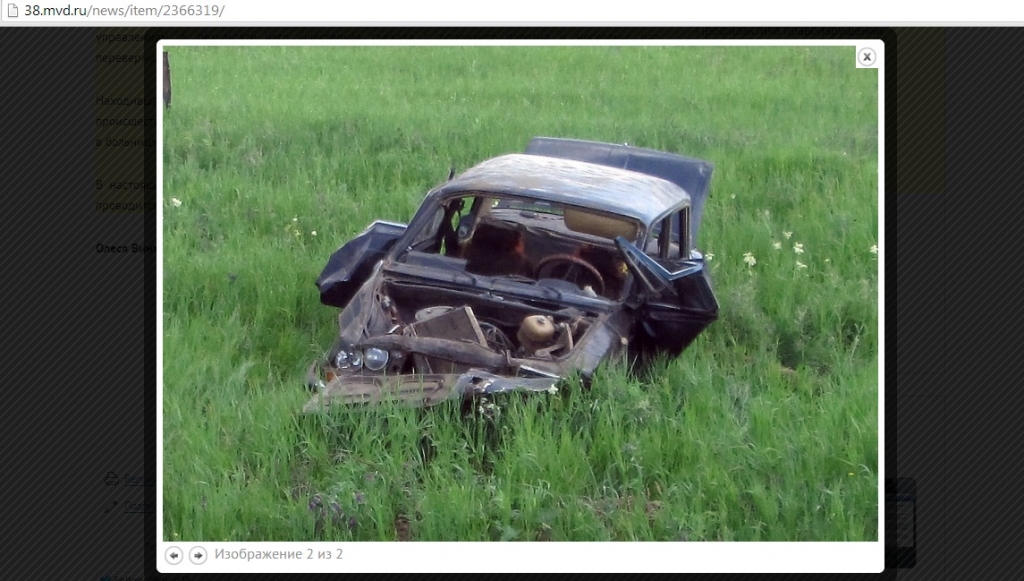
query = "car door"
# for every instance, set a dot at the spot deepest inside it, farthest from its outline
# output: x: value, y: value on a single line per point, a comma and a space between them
x: 673, y: 296
x: 350, y: 266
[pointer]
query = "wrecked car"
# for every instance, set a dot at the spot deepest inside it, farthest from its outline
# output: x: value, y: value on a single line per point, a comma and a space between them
x: 522, y: 270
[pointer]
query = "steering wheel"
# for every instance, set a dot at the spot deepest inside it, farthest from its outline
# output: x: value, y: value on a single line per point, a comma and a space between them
x: 573, y: 266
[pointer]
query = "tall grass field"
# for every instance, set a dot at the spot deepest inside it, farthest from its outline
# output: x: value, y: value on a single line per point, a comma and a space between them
x: 765, y: 429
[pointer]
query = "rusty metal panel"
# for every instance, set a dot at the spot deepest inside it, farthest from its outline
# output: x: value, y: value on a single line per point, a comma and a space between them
x: 457, y: 325
x: 617, y: 191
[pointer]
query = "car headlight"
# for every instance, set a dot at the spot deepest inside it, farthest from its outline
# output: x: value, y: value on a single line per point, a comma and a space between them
x: 341, y: 360
x: 375, y: 359
x: 355, y: 359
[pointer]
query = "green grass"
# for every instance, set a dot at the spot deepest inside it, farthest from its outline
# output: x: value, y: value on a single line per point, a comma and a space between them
x: 764, y: 429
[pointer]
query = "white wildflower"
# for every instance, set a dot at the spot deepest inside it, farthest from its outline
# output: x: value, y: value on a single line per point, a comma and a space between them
x: 874, y: 249
x: 777, y: 245
x: 709, y: 256
x: 733, y: 196
x: 787, y: 235
x: 489, y: 409
x: 176, y: 202
x: 552, y: 390
x: 749, y: 259
x: 798, y: 248
x: 800, y: 264
x: 313, y: 233
x: 295, y: 219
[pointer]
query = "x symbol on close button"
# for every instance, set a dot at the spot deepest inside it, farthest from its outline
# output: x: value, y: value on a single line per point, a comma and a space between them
x: 866, y: 57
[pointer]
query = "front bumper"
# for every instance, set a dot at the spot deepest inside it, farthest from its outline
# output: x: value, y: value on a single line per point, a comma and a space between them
x: 416, y: 390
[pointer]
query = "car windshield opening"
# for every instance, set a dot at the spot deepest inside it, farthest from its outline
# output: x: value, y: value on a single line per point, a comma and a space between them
x: 569, y: 248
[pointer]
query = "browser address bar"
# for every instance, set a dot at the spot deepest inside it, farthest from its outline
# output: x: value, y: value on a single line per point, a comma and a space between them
x: 636, y: 12
x: 65, y: 12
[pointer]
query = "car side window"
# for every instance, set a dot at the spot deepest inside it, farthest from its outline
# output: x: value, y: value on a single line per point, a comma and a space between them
x: 683, y: 233
x: 426, y: 240
x: 664, y: 241
x: 438, y: 236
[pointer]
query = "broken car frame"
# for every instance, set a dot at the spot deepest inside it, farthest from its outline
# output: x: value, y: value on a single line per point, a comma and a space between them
x: 520, y: 271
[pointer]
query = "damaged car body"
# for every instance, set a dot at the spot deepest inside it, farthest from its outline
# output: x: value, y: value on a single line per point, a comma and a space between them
x: 520, y: 271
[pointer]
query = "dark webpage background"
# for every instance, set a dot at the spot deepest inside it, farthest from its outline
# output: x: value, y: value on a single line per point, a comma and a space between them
x: 81, y: 324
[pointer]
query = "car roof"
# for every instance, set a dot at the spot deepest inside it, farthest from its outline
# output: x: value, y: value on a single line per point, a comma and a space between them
x: 617, y: 191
